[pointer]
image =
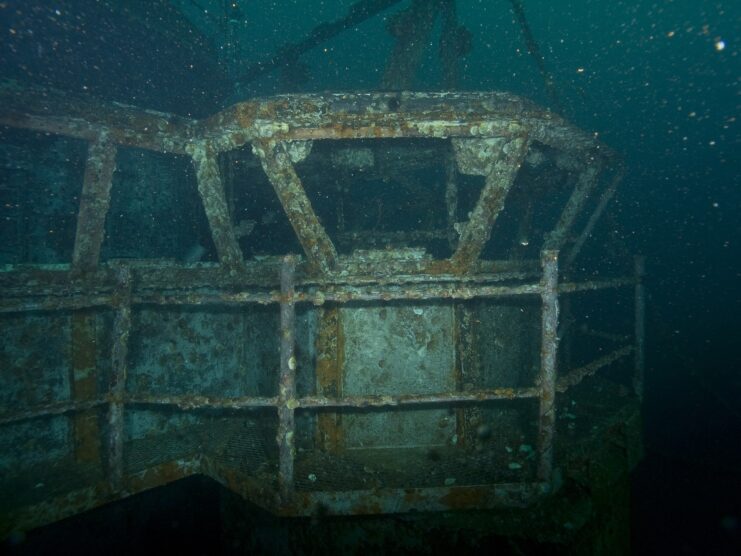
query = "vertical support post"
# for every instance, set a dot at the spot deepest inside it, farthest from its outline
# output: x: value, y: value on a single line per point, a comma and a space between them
x: 94, y: 203
x: 287, y: 382
x: 119, y: 369
x: 547, y: 379
x: 640, y: 326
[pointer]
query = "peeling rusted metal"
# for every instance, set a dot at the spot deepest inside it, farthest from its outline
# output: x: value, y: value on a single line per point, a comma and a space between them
x: 211, y: 190
x: 278, y: 165
x: 547, y: 377
x: 287, y: 381
x: 94, y: 203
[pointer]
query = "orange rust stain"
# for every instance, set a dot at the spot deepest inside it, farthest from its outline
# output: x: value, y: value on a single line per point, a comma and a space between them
x: 462, y: 498
x: 330, y: 354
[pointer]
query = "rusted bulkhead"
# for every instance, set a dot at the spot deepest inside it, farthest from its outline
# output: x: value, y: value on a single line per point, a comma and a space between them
x: 373, y: 370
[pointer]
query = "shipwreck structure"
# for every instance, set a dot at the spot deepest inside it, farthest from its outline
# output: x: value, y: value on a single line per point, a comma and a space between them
x: 339, y: 303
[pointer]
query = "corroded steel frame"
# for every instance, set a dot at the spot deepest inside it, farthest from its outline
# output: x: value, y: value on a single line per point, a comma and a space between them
x: 491, y: 134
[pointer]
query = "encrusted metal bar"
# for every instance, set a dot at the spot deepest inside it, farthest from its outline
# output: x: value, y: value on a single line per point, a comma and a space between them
x: 317, y: 295
x: 277, y: 161
x: 640, y: 326
x: 59, y: 408
x: 499, y: 179
x: 369, y: 237
x: 249, y: 402
x: 420, y: 399
x: 547, y: 378
x: 575, y: 376
x: 379, y: 115
x: 82, y: 117
x: 605, y: 198
x: 287, y: 380
x: 119, y: 369
x: 594, y: 285
x: 94, y: 203
x: 54, y: 303
x: 586, y: 183
x: 204, y: 402
x: 211, y: 190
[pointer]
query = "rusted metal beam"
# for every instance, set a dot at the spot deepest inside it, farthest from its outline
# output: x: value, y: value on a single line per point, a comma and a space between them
x: 47, y: 410
x: 391, y: 500
x: 317, y: 295
x: 94, y: 202
x: 119, y: 370
x: 277, y: 161
x: 304, y: 117
x: 500, y: 162
x: 605, y: 198
x: 594, y: 285
x: 455, y: 42
x: 211, y: 191
x: 451, y: 201
x: 330, y: 401
x: 287, y: 381
x: 82, y: 117
x: 412, y: 30
x: 575, y: 376
x: 369, y: 237
x: 587, y: 181
x: 54, y: 303
x: 547, y: 376
x: 640, y: 326
x: 420, y: 399
x: 190, y: 402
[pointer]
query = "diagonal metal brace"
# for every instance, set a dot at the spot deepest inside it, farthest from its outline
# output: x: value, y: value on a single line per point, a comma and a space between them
x: 499, y: 161
x: 94, y: 203
x: 277, y: 160
x: 211, y: 191
x: 585, y: 185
